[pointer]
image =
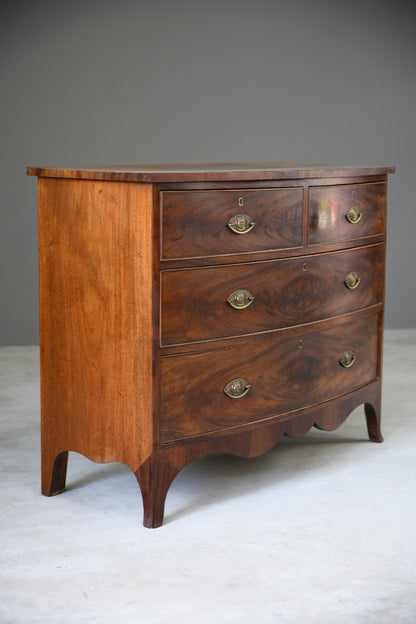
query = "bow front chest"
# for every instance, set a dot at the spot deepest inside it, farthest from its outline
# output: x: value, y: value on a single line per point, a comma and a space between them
x: 188, y: 310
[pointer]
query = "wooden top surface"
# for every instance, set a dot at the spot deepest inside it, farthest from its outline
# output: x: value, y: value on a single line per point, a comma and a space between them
x: 209, y: 172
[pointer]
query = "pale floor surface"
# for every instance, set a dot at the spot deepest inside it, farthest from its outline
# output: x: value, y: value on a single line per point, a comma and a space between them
x: 322, y: 529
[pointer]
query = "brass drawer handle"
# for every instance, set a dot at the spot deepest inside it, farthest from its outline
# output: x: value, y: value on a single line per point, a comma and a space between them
x: 240, y: 299
x: 241, y: 224
x: 353, y: 215
x: 237, y: 388
x: 352, y: 280
x: 347, y: 358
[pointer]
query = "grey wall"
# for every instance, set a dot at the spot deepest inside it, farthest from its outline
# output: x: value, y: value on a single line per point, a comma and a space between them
x: 147, y: 81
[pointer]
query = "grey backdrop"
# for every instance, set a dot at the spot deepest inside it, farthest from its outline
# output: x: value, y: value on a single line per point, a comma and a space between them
x: 99, y: 82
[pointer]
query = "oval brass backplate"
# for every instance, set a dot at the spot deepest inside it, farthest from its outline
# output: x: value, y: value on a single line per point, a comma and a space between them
x: 237, y: 388
x: 347, y: 358
x: 353, y: 215
x: 240, y: 299
x: 241, y: 224
x: 352, y: 280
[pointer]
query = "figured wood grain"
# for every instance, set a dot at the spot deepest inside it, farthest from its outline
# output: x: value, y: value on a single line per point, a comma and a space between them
x: 286, y: 292
x: 247, y: 257
x: 96, y: 327
x: 250, y: 441
x: 195, y: 222
x: 286, y: 372
x: 109, y: 391
x: 206, y: 172
x: 328, y: 206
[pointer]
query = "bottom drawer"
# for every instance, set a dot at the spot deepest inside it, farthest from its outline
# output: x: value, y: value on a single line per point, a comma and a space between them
x: 275, y: 373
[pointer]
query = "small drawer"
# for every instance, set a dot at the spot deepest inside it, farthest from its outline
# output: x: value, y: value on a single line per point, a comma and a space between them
x: 346, y: 212
x: 268, y: 376
x: 211, y: 223
x: 215, y: 302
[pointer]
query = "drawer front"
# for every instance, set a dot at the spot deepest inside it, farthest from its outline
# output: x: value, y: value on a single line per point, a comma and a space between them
x: 284, y: 373
x: 195, y: 223
x: 199, y: 303
x: 346, y: 212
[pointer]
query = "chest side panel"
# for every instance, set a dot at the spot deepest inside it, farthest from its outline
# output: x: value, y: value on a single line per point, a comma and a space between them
x: 95, y: 249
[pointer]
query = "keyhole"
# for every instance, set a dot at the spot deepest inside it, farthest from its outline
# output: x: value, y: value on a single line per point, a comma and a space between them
x: 240, y: 201
x: 300, y: 344
x: 304, y: 266
x: 354, y: 194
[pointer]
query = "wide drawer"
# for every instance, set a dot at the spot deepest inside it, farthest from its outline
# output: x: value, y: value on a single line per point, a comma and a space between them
x: 278, y: 374
x: 210, y: 223
x: 346, y: 212
x: 215, y: 302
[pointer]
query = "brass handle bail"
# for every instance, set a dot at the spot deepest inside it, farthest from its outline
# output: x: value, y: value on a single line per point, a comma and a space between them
x: 347, y: 358
x: 237, y: 388
x: 352, y: 280
x: 353, y: 215
x: 241, y: 224
x: 240, y: 299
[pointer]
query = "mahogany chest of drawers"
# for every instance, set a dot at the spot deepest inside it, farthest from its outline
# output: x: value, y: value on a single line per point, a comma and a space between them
x: 188, y: 310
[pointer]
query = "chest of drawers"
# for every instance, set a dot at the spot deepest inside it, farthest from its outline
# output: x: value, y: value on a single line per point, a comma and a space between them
x: 188, y: 310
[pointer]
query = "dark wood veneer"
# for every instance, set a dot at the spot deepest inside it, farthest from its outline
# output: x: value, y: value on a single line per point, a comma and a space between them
x: 286, y: 292
x: 285, y: 372
x: 195, y: 223
x: 328, y: 206
x: 157, y: 473
x: 137, y: 340
x: 208, y: 172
